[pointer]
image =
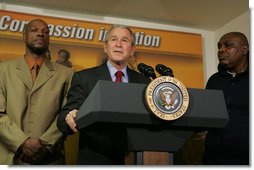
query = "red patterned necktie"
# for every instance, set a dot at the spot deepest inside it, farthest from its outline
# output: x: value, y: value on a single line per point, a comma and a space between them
x: 119, y: 75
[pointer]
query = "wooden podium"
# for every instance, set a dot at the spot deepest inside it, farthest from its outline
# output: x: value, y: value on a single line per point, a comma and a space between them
x: 150, y: 140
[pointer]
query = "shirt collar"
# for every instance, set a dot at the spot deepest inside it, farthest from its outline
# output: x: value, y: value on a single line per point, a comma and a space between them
x: 31, y: 61
x: 113, y: 70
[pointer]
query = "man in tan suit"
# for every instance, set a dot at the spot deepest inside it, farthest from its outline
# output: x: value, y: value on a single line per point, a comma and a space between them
x: 30, y: 102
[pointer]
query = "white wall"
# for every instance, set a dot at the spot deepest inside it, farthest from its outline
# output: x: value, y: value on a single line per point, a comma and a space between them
x: 240, y: 24
x: 209, y: 37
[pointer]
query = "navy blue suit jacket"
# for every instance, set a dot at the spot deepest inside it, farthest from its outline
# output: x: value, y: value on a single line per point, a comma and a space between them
x: 97, y: 143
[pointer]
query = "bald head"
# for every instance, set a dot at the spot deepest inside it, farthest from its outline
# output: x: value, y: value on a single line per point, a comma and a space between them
x: 239, y: 35
x: 36, y: 37
x: 233, y: 52
x: 34, y: 22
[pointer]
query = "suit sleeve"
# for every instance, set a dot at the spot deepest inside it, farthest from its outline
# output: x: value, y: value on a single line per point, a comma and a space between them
x: 211, y: 83
x: 53, y: 135
x: 10, y: 134
x: 75, y: 98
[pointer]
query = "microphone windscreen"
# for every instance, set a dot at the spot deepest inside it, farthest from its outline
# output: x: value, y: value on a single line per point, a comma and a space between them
x: 146, y: 70
x: 163, y: 70
x: 159, y: 68
x: 141, y: 67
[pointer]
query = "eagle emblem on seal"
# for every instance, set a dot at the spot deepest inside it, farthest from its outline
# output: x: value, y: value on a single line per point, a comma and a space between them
x: 167, y: 98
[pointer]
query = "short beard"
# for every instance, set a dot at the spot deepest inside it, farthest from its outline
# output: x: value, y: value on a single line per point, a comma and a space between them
x: 37, y: 50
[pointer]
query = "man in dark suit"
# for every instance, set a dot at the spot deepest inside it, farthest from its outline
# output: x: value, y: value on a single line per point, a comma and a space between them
x: 96, y: 143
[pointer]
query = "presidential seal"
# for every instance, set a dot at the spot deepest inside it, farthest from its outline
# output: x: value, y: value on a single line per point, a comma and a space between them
x: 167, y: 98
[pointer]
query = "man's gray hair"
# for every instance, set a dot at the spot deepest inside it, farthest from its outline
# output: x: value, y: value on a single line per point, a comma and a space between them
x: 124, y: 27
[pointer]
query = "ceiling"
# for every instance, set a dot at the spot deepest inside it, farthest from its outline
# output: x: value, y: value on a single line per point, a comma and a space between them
x: 199, y: 14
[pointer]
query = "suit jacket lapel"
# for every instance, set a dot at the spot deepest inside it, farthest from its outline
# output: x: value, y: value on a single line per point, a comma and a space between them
x: 131, y: 76
x: 46, y: 72
x: 23, y: 73
x: 103, y: 73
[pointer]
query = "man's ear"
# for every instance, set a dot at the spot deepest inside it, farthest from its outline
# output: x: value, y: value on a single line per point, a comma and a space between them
x: 24, y: 37
x: 245, y: 49
x: 133, y: 50
x: 105, y: 47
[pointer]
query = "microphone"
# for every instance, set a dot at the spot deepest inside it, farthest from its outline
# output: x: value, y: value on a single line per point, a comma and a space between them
x: 148, y: 71
x: 164, y: 71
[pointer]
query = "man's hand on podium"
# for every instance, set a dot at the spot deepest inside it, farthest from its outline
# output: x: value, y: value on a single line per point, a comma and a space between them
x: 70, y: 120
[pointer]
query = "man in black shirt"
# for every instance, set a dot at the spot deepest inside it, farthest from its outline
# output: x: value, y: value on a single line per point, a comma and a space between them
x: 230, y: 145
